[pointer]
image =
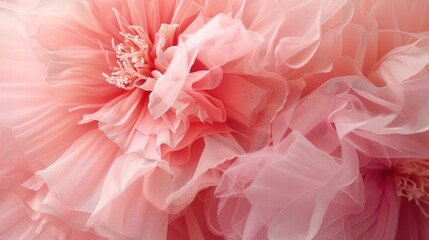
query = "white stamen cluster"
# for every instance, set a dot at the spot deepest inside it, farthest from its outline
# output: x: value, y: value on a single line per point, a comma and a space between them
x: 133, y: 59
x: 412, y: 182
x: 136, y: 55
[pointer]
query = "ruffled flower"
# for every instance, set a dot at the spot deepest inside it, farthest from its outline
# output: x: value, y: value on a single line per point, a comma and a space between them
x: 199, y: 119
x: 140, y: 102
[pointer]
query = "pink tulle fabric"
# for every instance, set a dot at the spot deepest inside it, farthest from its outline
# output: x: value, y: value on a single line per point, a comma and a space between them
x: 200, y: 119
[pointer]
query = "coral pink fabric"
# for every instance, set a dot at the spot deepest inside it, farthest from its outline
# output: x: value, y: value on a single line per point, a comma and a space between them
x: 199, y: 119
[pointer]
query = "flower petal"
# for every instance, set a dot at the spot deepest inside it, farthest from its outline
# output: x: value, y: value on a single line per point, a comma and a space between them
x: 222, y: 34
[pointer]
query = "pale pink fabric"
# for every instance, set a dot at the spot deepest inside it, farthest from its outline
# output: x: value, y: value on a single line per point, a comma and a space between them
x: 332, y: 176
x: 233, y: 119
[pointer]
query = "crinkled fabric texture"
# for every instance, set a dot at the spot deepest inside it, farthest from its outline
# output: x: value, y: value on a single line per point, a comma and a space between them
x: 332, y: 177
x: 199, y: 119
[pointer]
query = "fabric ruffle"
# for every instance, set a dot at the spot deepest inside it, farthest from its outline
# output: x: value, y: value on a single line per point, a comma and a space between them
x: 291, y: 190
x: 346, y: 152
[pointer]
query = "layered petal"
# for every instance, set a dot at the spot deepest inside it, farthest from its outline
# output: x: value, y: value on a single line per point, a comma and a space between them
x: 262, y: 193
x: 199, y: 45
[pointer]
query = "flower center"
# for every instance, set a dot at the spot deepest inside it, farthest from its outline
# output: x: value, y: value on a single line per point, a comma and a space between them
x: 136, y: 56
x: 412, y: 182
